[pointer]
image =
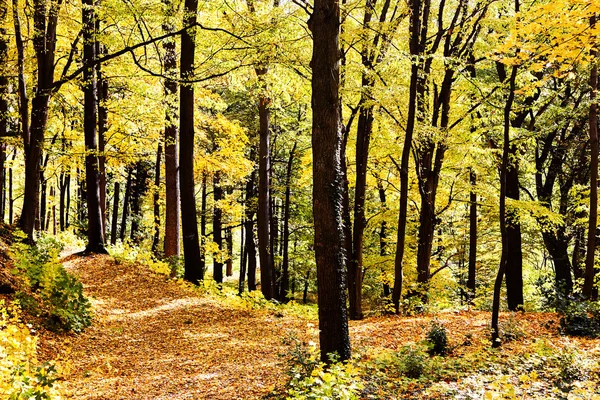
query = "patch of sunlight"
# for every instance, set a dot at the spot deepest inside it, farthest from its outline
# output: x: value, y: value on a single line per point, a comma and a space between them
x: 170, y: 306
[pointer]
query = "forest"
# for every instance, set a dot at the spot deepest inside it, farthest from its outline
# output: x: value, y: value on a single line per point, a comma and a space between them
x: 295, y: 199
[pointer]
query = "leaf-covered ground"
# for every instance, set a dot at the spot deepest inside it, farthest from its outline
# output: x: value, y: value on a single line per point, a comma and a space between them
x: 154, y: 338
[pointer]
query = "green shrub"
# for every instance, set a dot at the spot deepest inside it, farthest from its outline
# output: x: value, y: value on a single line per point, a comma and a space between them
x: 510, y: 330
x: 52, y: 293
x: 581, y: 319
x: 412, y: 361
x: 437, y: 339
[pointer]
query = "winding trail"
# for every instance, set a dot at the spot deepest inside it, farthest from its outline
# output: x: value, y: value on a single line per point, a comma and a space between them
x: 153, y: 338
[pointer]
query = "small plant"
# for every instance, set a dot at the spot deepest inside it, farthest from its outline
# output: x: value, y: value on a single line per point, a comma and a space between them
x: 437, y: 339
x: 412, y: 361
x: 510, y: 329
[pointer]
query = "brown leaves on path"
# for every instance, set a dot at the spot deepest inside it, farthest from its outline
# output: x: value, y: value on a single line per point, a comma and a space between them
x: 153, y: 338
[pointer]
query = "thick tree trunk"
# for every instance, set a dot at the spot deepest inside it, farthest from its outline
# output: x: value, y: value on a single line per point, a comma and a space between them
x: 217, y: 227
x: 514, y: 254
x: 172, y: 210
x: 264, y: 200
x: 328, y: 177
x: 588, y: 284
x: 191, y: 242
x: 95, y: 234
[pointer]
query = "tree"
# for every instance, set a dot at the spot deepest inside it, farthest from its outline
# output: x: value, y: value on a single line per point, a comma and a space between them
x: 191, y: 244
x: 327, y: 181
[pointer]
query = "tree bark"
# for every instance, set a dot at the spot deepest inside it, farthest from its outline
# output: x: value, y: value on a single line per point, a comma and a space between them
x: 285, y: 264
x: 95, y: 234
x: 249, y: 227
x: 137, y: 193
x: 328, y: 177
x: 588, y: 283
x: 514, y: 253
x: 115, y: 214
x: 126, y: 200
x: 415, y: 51
x: 155, y: 201
x: 217, y: 227
x: 471, y: 288
x: 172, y: 210
x: 191, y: 244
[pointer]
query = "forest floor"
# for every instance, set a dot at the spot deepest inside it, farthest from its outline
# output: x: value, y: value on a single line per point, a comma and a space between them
x: 155, y: 338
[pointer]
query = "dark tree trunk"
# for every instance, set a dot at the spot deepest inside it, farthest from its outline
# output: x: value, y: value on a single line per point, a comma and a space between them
x: 471, y: 288
x: 383, y: 234
x: 126, y: 199
x: 415, y: 51
x: 285, y: 264
x: 4, y: 90
x: 243, y: 259
x: 503, y: 190
x: 305, y: 291
x: 264, y: 200
x: 155, y: 201
x: 95, y: 234
x: 328, y: 177
x: 115, y: 214
x: 229, y: 240
x: 588, y: 283
x: 137, y: 194
x: 217, y: 227
x: 68, y: 202
x: 578, y: 253
x: 249, y: 227
x: 191, y: 243
x: 514, y: 255
x: 11, y: 201
x: 102, y: 128
x: 172, y: 210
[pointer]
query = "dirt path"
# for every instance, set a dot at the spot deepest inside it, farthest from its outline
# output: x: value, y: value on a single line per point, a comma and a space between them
x: 154, y: 339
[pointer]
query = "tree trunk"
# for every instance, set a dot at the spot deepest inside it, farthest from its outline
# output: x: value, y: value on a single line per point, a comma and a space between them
x: 126, y: 199
x: 217, y: 228
x: 264, y: 200
x: 415, y: 51
x: 102, y: 128
x: 115, y: 214
x: 44, y: 42
x: 285, y: 264
x: 191, y: 244
x: 204, y: 197
x: 249, y: 227
x: 514, y: 255
x: 155, y: 201
x: 588, y: 283
x: 328, y: 177
x: 172, y: 210
x: 95, y: 234
x: 471, y: 288
x: 503, y: 189
x: 229, y: 241
x: 138, y: 191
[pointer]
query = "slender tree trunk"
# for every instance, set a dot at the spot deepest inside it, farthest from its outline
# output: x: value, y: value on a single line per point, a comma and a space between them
x: 229, y: 241
x: 102, y: 128
x: 4, y: 90
x: 11, y: 201
x: 191, y: 243
x: 92, y: 174
x: 204, y: 197
x: 285, y: 265
x: 383, y: 235
x: 155, y: 201
x: 115, y: 214
x: 588, y: 284
x: 471, y: 288
x: 172, y: 210
x: 305, y: 291
x: 217, y: 227
x: 243, y: 257
x: 249, y: 227
x: 126, y: 200
x: 503, y: 189
x: 415, y: 28
x: 139, y: 190
x: 68, y: 204
x: 328, y: 177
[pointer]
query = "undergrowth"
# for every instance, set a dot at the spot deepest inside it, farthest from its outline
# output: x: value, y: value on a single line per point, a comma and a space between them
x: 47, y: 290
